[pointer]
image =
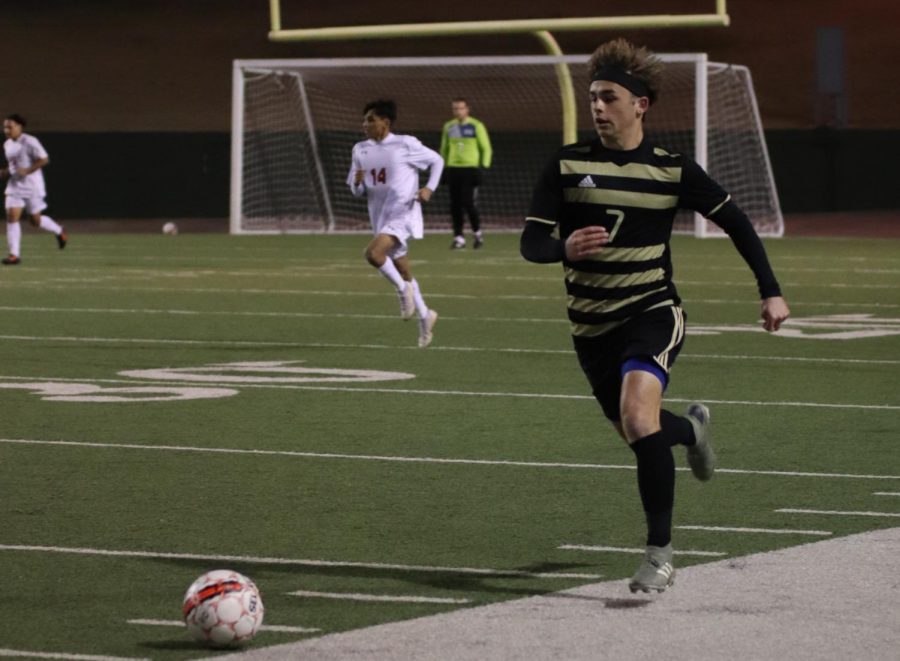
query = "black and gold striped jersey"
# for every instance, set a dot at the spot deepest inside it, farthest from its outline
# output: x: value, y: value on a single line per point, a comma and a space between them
x: 635, y: 194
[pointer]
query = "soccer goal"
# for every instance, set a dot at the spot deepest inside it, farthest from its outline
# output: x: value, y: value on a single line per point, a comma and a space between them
x: 294, y: 123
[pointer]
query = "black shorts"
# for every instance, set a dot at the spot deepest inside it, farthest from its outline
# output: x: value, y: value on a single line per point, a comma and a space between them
x: 656, y: 336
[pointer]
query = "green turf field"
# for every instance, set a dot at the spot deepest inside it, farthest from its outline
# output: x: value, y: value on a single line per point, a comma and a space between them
x: 134, y: 451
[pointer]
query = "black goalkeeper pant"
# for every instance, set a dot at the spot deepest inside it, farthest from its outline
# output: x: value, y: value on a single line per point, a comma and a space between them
x: 463, y: 184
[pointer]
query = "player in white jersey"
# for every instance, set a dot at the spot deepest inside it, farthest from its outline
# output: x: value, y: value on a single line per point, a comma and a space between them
x: 385, y: 168
x: 25, y: 156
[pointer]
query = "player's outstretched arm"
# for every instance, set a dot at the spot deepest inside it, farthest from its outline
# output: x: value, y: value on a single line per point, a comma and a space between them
x: 774, y: 309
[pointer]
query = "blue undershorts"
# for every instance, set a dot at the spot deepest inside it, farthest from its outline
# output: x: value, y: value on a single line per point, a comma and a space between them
x: 646, y: 366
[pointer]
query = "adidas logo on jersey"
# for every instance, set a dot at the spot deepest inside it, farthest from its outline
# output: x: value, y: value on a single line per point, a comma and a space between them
x: 587, y: 182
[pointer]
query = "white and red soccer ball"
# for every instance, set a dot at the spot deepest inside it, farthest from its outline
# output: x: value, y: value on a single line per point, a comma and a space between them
x: 223, y: 608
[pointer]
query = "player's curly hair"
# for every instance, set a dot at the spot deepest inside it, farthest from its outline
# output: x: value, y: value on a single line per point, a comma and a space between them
x: 384, y: 108
x: 17, y: 118
x: 641, y: 63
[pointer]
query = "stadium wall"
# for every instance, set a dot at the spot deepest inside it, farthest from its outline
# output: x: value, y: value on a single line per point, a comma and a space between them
x: 133, y: 100
x: 818, y: 170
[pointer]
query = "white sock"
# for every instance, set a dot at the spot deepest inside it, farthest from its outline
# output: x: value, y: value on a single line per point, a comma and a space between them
x: 389, y: 271
x: 421, y: 308
x: 50, y: 225
x: 13, y: 237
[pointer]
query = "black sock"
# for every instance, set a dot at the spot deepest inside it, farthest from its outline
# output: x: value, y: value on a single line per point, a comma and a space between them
x: 656, y: 483
x: 677, y: 428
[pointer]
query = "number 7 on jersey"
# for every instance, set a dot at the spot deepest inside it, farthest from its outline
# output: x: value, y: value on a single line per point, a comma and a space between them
x: 620, y: 216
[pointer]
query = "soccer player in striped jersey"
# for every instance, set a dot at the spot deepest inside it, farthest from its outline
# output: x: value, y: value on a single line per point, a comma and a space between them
x: 385, y: 168
x: 613, y: 200
x: 25, y: 157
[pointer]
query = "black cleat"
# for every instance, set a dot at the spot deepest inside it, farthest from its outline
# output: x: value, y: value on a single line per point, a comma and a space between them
x: 12, y: 260
x: 62, y: 238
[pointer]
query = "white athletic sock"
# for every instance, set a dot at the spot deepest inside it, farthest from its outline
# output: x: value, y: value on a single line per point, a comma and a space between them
x: 389, y: 271
x: 13, y: 237
x: 50, y: 225
x: 421, y: 308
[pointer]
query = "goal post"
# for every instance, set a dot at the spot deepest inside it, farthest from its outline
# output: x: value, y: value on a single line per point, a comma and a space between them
x: 295, y: 121
x: 718, y: 18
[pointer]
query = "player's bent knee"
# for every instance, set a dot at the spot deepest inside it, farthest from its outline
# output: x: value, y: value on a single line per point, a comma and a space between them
x: 374, y: 256
x: 637, y: 422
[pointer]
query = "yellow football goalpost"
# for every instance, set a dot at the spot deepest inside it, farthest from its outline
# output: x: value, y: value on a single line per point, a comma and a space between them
x: 540, y: 27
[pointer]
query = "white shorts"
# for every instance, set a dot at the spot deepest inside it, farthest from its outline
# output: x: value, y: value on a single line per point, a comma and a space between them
x: 32, y: 205
x: 400, y: 230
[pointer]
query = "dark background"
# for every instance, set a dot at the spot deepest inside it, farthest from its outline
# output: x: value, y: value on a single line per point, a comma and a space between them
x: 133, y: 99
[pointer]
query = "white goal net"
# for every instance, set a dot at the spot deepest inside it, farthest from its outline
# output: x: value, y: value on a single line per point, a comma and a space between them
x: 295, y: 121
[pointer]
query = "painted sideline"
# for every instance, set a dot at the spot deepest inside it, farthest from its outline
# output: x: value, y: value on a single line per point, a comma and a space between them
x: 422, y: 460
x: 828, y: 600
x: 296, y: 562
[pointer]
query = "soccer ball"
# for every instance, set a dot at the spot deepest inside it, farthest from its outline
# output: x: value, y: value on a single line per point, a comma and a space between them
x: 170, y: 228
x: 223, y: 609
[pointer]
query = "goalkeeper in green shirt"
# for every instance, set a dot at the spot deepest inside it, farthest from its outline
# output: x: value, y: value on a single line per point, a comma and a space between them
x: 466, y: 149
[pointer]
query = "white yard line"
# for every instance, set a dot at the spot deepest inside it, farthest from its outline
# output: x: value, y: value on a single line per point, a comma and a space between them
x: 388, y: 347
x: 795, y: 359
x: 788, y: 510
x: 422, y: 460
x: 801, y: 269
x: 689, y: 301
x: 555, y: 277
x: 636, y: 551
x: 772, y: 531
x: 821, y: 405
x: 886, y: 493
x: 34, y: 654
x: 454, y: 393
x: 280, y: 628
x: 558, y: 296
x: 790, y: 284
x: 298, y: 562
x: 693, y: 257
x: 387, y: 598
x: 180, y: 312
x: 689, y: 259
x: 556, y: 319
